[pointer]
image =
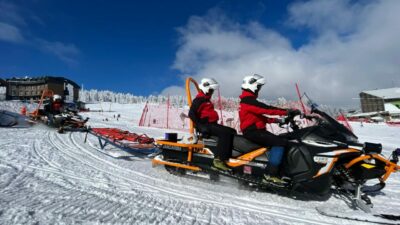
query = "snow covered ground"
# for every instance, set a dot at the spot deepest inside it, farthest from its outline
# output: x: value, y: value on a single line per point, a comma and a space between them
x: 51, y: 178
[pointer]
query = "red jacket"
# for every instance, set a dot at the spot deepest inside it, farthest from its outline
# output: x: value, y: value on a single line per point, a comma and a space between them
x: 56, y: 107
x: 202, y: 110
x: 251, y: 112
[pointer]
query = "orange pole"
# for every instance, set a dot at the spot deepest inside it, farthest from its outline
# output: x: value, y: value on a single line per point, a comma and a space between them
x: 45, y: 93
x: 189, y: 97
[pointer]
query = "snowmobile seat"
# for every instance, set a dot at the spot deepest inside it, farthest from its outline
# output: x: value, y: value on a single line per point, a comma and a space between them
x: 240, y: 144
x: 210, y: 141
x: 243, y: 145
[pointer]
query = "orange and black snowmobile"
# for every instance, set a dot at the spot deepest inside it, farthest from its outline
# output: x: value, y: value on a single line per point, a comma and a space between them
x: 67, y: 120
x: 321, y: 159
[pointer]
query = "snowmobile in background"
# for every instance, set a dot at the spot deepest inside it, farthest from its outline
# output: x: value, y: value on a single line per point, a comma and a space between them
x: 321, y: 159
x: 67, y: 120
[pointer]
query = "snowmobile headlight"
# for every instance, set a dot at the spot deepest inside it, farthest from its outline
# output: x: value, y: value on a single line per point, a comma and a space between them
x: 321, y: 160
x: 372, y: 148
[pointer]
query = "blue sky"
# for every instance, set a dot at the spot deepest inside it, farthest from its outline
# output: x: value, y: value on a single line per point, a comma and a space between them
x: 333, y: 49
x: 126, y: 46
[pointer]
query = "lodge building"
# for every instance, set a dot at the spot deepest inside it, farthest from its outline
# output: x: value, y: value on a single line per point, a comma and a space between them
x: 381, y: 100
x: 31, y: 88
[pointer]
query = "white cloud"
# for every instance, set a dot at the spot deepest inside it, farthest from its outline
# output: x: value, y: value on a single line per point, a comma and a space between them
x: 10, y: 13
x: 174, y: 90
x: 325, y: 15
x: 65, y: 52
x: 14, y: 28
x: 353, y: 47
x: 10, y: 33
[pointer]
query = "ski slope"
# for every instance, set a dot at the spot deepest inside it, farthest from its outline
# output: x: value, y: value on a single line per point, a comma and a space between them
x: 52, y: 178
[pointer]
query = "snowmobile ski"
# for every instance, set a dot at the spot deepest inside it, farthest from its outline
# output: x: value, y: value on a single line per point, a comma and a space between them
x: 357, y: 215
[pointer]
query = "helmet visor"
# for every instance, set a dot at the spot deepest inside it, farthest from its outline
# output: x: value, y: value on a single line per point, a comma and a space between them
x: 211, y: 84
x: 261, y: 81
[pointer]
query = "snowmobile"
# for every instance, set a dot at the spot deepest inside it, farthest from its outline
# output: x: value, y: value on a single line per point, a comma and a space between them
x: 68, y: 120
x: 321, y: 159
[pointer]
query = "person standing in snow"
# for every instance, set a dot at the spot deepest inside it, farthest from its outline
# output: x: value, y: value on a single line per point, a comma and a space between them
x: 205, y: 120
x: 57, y: 105
x: 252, y: 124
x: 53, y: 110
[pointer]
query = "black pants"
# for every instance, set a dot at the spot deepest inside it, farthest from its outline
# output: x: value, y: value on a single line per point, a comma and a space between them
x: 225, y: 140
x: 264, y: 138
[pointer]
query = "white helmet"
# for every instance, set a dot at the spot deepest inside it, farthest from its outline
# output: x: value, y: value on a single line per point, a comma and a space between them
x: 253, y: 83
x: 208, y: 84
x: 56, y: 97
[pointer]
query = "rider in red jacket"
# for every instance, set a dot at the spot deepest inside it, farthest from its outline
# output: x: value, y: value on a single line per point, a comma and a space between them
x: 251, y: 112
x: 205, y: 119
x: 252, y: 124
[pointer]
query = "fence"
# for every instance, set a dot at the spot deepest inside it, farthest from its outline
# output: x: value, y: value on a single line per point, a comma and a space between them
x: 168, y: 116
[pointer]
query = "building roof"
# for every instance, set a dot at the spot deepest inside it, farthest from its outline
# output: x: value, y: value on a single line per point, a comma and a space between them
x: 3, y: 82
x: 388, y: 93
x: 42, y: 79
x: 391, y: 108
x: 368, y: 114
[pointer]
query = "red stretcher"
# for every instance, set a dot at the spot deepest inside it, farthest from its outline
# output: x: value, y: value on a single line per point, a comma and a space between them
x: 135, y: 144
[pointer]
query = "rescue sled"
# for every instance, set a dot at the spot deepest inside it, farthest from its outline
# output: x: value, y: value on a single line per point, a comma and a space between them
x: 13, y: 120
x: 321, y: 159
x: 134, y: 144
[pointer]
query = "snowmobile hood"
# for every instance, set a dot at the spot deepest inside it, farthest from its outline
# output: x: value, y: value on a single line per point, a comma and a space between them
x: 246, y: 93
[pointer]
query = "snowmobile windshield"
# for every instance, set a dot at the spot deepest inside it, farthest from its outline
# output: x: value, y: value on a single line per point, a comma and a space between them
x: 331, y: 122
x: 350, y: 136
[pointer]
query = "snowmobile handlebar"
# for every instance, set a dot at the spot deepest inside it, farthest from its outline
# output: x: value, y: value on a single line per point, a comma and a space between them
x: 311, y: 117
x: 291, y: 122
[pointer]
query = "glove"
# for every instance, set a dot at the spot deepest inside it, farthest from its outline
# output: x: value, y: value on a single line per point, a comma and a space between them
x: 293, y: 112
x: 282, y: 120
